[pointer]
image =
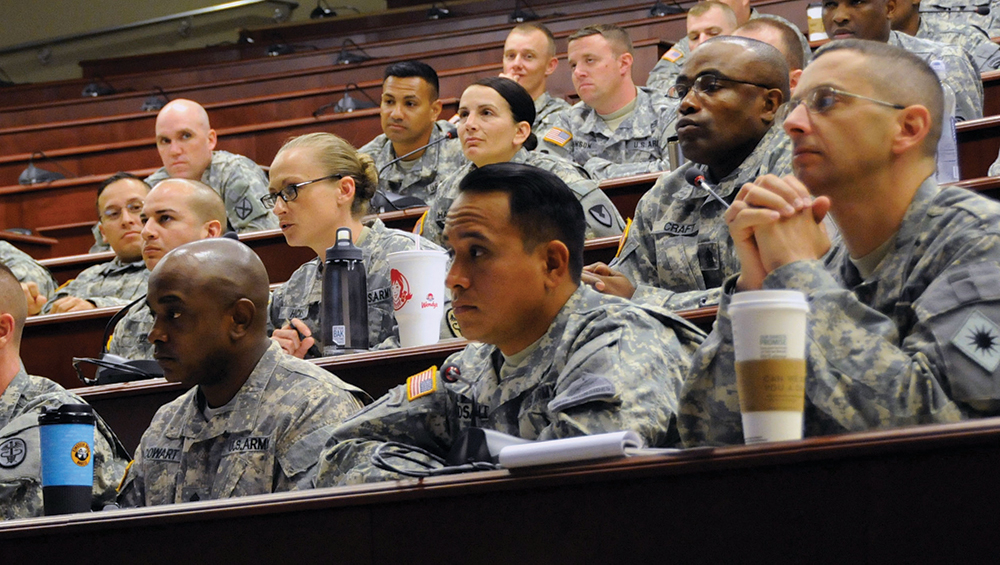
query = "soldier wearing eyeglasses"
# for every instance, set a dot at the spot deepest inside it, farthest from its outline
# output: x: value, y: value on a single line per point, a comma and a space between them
x: 904, y: 323
x: 123, y: 279
x: 677, y: 251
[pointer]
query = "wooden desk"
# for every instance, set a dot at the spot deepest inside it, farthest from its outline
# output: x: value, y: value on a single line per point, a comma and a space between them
x: 917, y: 495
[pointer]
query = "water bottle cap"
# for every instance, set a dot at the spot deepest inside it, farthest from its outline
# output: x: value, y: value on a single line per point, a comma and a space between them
x: 344, y: 249
x: 68, y: 414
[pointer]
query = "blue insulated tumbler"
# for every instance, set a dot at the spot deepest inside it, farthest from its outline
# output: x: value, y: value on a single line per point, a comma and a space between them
x: 67, y: 437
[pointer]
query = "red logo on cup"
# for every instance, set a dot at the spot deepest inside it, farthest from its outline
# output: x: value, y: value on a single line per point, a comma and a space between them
x: 400, y: 289
x: 429, y: 302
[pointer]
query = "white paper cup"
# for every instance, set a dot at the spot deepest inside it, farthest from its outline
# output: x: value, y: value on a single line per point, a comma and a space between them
x: 769, y: 335
x: 417, y: 279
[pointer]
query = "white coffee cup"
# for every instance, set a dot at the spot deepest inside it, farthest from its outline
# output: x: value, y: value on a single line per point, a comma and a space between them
x: 769, y: 335
x: 417, y: 281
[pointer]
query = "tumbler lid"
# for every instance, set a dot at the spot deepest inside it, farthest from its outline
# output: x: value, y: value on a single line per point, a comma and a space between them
x: 68, y: 414
x: 344, y: 249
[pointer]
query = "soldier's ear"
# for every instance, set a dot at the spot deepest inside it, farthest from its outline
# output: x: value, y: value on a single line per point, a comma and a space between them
x: 556, y: 256
x: 8, y: 328
x: 243, y: 313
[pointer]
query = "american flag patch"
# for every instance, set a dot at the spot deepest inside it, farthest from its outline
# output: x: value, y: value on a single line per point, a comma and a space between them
x: 558, y: 136
x: 421, y: 384
x: 673, y: 55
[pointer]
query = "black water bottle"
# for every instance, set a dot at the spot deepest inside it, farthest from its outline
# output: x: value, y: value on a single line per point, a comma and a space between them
x: 344, y: 315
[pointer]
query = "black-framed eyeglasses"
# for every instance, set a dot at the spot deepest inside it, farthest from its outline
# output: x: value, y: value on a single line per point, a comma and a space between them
x: 291, y: 192
x: 112, y: 214
x: 822, y: 98
x: 705, y: 84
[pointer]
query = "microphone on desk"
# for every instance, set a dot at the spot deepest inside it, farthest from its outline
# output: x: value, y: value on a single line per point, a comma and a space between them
x: 388, y: 201
x: 934, y: 9
x: 695, y: 178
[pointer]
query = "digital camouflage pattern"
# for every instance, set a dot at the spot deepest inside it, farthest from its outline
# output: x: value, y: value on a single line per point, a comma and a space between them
x: 668, y: 68
x: 422, y: 181
x: 109, y: 284
x: 26, y: 269
x: 301, y: 296
x: 678, y: 252
x: 20, y: 448
x: 130, y: 337
x: 973, y: 40
x: 639, y: 145
x: 990, y: 23
x: 604, y: 365
x: 603, y: 218
x: 916, y: 342
x: 241, y: 183
x: 267, y: 439
x: 546, y: 108
x: 962, y: 75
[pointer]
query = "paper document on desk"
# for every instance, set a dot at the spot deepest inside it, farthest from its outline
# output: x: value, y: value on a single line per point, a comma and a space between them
x: 583, y: 448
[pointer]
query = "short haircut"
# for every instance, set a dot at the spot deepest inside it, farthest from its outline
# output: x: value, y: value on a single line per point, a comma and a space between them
x: 112, y: 180
x: 528, y: 27
x: 522, y: 107
x: 771, y: 70
x: 898, y: 77
x: 406, y: 69
x: 616, y: 36
x: 202, y: 200
x: 338, y: 157
x: 791, y: 43
x: 703, y: 7
x: 542, y: 207
x: 12, y: 300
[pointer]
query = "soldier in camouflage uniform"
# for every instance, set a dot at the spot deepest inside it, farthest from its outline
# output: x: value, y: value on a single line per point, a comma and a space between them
x: 529, y: 58
x: 320, y: 184
x: 256, y: 418
x: 410, y: 106
x: 185, y: 142
x: 301, y: 296
x: 904, y: 327
x: 617, y: 129
x: 22, y: 398
x: 177, y: 211
x: 678, y: 251
x: 123, y: 279
x: 510, y: 105
x: 906, y: 18
x: 845, y: 19
x: 664, y: 73
x: 36, y: 281
x: 556, y: 360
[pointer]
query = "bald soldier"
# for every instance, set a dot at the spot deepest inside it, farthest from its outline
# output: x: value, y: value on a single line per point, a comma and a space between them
x: 22, y: 398
x: 176, y: 211
x: 186, y: 141
x: 529, y: 59
x: 256, y: 417
x: 904, y: 322
x: 678, y: 251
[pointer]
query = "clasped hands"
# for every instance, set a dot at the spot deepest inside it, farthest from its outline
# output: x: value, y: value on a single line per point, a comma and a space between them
x: 773, y: 222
